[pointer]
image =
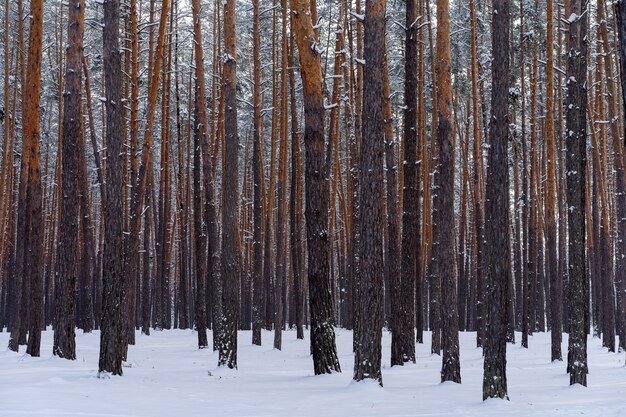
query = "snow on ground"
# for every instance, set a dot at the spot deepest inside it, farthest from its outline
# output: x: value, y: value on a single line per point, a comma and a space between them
x: 168, y: 376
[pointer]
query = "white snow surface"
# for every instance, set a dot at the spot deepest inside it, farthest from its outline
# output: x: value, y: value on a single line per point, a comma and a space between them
x: 166, y: 375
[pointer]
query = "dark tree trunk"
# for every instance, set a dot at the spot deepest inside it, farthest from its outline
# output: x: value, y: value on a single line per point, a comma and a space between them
x: 620, y: 14
x: 199, y: 233
x: 295, y: 209
x: 258, y: 301
x: 64, y: 336
x: 146, y: 280
x: 497, y: 250
x: 392, y: 250
x: 403, y: 337
x: 367, y: 362
x: 230, y: 232
x: 88, y: 257
x: 576, y: 126
x: 555, y: 280
x: 111, y: 336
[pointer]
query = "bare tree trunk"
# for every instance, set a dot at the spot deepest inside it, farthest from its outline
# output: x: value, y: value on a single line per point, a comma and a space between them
x: 403, y: 336
x: 444, y: 252
x: 111, y: 337
x: 576, y: 123
x: 477, y: 184
x: 295, y: 210
x: 31, y: 134
x: 230, y: 237
x: 323, y: 346
x: 258, y: 300
x: 620, y: 15
x: 64, y: 336
x: 555, y: 280
x: 367, y: 363
x: 281, y: 241
x: 139, y: 187
x: 498, y: 257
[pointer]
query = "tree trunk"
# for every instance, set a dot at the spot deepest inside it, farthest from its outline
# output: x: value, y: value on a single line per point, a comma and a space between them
x: 498, y: 259
x: 258, y: 301
x: 295, y: 210
x: 281, y: 236
x: 576, y: 126
x: 477, y: 184
x: 199, y: 230
x: 620, y: 15
x: 444, y: 253
x: 230, y: 236
x: 111, y: 338
x: 64, y: 336
x: 403, y: 336
x: 31, y: 134
x: 323, y: 346
x: 367, y: 362
x: 556, y: 325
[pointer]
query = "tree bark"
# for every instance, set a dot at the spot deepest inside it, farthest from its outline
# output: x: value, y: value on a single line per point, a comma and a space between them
x: 444, y: 252
x: 403, y: 336
x: 576, y: 138
x: 498, y: 259
x: 367, y: 362
x: 111, y: 338
x: 556, y: 305
x: 230, y: 236
x: 323, y: 346
x: 64, y: 336
x: 33, y: 272
x: 258, y: 300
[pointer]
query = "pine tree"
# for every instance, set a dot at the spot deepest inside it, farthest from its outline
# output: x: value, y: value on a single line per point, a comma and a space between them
x: 111, y: 336
x: 230, y: 237
x: 64, y: 337
x: 367, y: 363
x: 444, y: 251
x: 323, y: 346
x: 498, y: 260
x: 576, y: 145
x: 403, y: 344
x: 32, y: 259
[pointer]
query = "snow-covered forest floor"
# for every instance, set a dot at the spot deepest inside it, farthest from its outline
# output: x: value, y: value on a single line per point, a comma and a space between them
x: 166, y: 375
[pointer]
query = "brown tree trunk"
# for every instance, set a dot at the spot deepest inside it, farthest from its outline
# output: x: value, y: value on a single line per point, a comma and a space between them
x: 555, y: 280
x: 139, y: 187
x: 477, y: 184
x: 323, y: 346
x: 281, y: 236
x: 444, y: 257
x: 32, y: 267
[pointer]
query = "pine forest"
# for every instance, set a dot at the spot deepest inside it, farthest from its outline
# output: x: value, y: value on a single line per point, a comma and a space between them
x: 278, y: 189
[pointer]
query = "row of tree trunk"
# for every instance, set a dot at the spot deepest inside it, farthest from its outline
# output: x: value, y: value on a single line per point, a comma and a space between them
x: 359, y: 220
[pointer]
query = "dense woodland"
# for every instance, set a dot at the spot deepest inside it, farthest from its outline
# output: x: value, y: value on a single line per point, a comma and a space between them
x: 444, y: 165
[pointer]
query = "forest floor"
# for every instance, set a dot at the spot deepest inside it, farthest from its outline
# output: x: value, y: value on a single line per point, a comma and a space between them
x: 166, y: 375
